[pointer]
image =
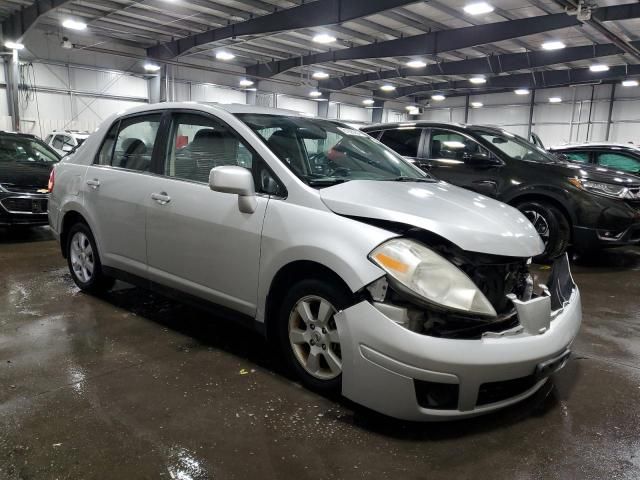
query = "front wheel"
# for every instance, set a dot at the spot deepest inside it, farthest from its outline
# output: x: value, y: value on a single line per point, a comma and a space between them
x: 552, y: 226
x: 84, y: 261
x: 308, y: 334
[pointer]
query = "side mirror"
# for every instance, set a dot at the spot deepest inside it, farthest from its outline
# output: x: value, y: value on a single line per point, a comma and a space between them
x: 480, y: 159
x: 237, y: 181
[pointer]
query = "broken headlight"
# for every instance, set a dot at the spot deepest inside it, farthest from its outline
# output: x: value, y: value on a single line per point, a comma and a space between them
x: 423, y: 273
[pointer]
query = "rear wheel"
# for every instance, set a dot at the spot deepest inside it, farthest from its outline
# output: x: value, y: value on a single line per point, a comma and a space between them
x: 84, y: 261
x: 552, y: 226
x: 308, y: 333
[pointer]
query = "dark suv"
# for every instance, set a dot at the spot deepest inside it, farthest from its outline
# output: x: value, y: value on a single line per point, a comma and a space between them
x: 25, y: 165
x: 567, y: 202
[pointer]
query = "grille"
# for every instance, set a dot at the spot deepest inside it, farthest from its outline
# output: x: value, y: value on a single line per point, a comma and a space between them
x: 22, y: 189
x: 25, y: 205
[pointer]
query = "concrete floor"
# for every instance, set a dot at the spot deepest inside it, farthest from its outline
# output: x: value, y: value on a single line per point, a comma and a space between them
x: 135, y: 386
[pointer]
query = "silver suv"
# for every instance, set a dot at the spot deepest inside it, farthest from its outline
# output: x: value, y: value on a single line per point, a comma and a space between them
x: 409, y: 295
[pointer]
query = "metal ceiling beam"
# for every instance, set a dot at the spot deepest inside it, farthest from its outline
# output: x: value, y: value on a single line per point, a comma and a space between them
x: 533, y: 80
x: 314, y: 14
x: 443, y: 41
x: 428, y: 43
x: 508, y: 62
x: 17, y: 24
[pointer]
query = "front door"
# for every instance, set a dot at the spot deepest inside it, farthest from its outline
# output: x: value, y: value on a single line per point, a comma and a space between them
x: 198, y: 240
x: 450, y: 155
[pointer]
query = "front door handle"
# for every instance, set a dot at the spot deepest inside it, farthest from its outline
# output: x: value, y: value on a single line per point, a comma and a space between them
x: 95, y: 183
x: 162, y: 198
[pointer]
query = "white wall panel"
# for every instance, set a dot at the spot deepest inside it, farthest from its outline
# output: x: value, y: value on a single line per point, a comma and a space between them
x: 298, y: 104
x: 214, y: 94
x: 355, y: 114
x: 51, y: 76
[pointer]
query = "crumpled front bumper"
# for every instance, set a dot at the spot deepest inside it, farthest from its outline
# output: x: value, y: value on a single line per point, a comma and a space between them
x: 386, y: 366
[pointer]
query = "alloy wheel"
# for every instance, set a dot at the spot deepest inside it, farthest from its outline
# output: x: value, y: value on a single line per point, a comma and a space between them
x: 314, y: 339
x: 82, y: 258
x: 539, y: 222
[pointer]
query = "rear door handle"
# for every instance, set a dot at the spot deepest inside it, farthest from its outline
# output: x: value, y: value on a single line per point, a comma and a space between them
x: 95, y: 183
x: 161, y: 198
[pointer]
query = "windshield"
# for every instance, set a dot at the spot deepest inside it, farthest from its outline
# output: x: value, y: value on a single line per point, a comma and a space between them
x: 324, y: 153
x: 515, y: 147
x: 22, y: 149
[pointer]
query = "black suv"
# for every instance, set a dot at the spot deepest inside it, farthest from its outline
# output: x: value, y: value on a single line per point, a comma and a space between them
x: 567, y: 202
x: 25, y: 165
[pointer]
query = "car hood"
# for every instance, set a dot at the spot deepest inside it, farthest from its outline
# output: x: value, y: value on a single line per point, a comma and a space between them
x: 25, y: 174
x: 471, y: 221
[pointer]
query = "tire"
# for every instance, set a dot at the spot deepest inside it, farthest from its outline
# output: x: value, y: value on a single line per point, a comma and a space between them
x: 84, y: 261
x: 312, y: 350
x: 552, y: 226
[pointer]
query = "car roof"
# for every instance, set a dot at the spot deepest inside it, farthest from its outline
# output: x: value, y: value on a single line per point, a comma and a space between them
x: 413, y: 123
x: 213, y: 108
x: 612, y: 145
x: 19, y: 134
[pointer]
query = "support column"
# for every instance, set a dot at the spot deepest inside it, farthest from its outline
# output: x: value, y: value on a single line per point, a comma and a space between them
x: 323, y: 107
x: 378, y: 110
x: 612, y: 99
x: 13, y: 84
x: 532, y: 106
x: 466, y: 109
x: 155, y: 88
x: 593, y: 91
x: 163, y: 78
x: 251, y: 97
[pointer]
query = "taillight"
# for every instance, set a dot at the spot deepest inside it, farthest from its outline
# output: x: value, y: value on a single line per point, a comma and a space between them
x: 52, y: 180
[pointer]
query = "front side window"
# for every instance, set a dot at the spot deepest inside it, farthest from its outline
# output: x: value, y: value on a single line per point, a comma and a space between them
x: 323, y: 153
x: 580, y: 157
x: 25, y: 150
x: 403, y: 141
x: 515, y: 147
x: 135, y: 141
x: 619, y: 161
x: 452, y: 147
x: 198, y: 143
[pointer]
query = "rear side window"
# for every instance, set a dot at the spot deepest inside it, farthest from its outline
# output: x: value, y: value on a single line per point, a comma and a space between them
x: 619, y: 161
x: 403, y: 141
x: 135, y: 141
x: 580, y: 157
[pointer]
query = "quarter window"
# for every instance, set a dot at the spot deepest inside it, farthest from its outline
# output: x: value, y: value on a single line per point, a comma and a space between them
x: 403, y: 141
x: 106, y: 151
x: 58, y: 142
x: 135, y: 141
x: 619, y: 161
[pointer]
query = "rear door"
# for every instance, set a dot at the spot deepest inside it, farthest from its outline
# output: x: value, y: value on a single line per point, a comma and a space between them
x: 198, y: 240
x: 116, y: 190
x: 447, y: 157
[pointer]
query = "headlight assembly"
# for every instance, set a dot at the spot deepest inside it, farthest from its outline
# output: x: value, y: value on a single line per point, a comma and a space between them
x: 430, y: 277
x: 601, y: 188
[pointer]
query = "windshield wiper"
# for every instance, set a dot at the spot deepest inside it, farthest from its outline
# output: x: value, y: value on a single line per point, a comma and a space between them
x: 325, y: 182
x: 411, y: 179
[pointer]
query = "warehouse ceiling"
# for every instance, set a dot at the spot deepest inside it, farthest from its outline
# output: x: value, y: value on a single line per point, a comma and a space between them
x: 374, y: 41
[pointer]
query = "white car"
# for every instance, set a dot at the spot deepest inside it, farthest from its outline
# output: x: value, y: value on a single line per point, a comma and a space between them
x: 64, y: 142
x: 409, y: 295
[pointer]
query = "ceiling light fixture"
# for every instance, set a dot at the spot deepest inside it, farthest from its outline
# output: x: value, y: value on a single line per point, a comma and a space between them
x: 630, y: 83
x: 387, y: 88
x: 225, y: 55
x: 477, y: 104
x: 478, y: 80
x: 478, y: 8
x: 151, y: 67
x: 553, y: 45
x: 324, y: 38
x: 521, y: 91
x: 74, y: 24
x: 599, y: 67
x: 315, y: 93
x: 416, y: 64
x: 245, y: 83
x: 14, y: 45
x: 438, y: 97
x: 368, y: 101
x: 555, y: 100
x: 320, y: 75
